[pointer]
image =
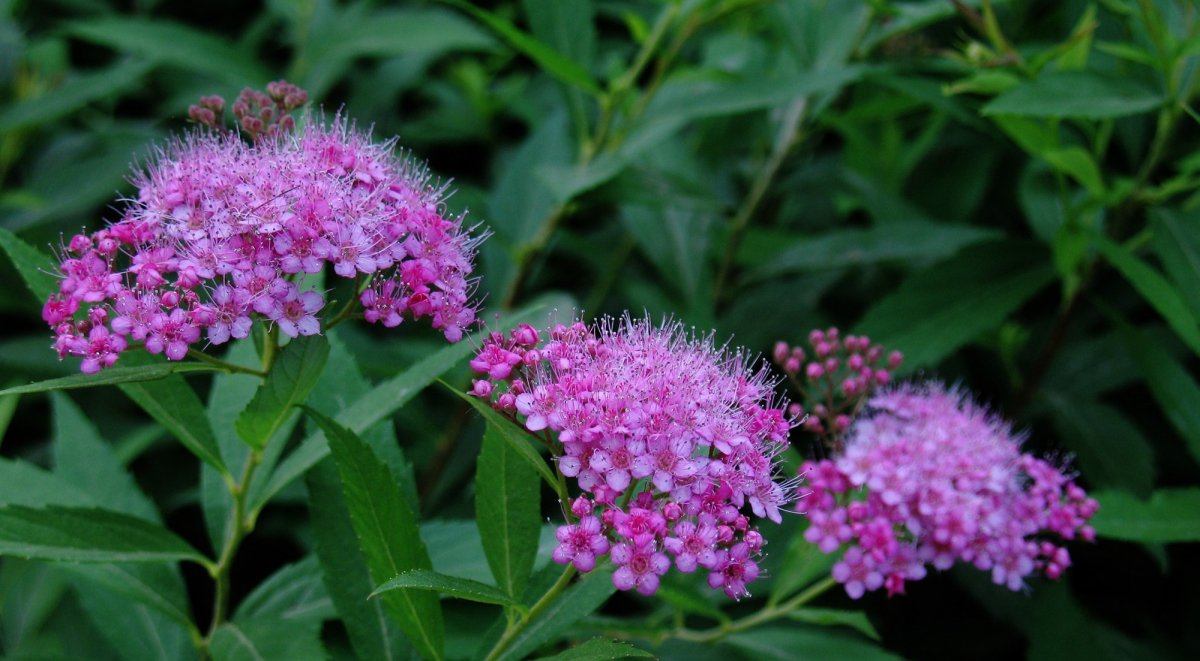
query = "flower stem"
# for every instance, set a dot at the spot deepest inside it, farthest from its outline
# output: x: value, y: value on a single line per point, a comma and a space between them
x: 224, y: 365
x: 237, y: 527
x: 519, y: 625
x: 761, y: 617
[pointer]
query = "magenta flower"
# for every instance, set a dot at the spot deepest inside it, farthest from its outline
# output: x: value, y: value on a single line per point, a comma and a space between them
x: 222, y: 231
x: 671, y: 436
x: 579, y: 544
x: 929, y: 477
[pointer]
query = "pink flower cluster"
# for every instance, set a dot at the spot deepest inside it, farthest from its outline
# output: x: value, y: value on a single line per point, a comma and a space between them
x: 930, y: 477
x: 838, y: 377
x: 669, y: 437
x: 223, y: 231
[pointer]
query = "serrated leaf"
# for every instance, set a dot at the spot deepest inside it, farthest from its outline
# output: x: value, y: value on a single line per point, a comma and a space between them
x: 174, y: 405
x: 1156, y: 290
x: 785, y: 644
x: 578, y: 601
x: 938, y: 310
x: 81, y: 534
x: 111, y: 376
x: 516, y: 439
x: 373, y: 635
x: 599, y: 649
x: 1076, y: 94
x: 292, y: 377
x: 550, y: 60
x: 37, y: 269
x: 1177, y: 393
x: 74, y: 94
x: 263, y: 639
x: 507, y: 511
x: 166, y: 42
x: 294, y: 592
x: 386, y: 527
x: 1170, y: 515
x: 463, y: 588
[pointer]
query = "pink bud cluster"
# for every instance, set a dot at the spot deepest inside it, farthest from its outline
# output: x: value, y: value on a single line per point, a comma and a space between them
x: 669, y: 437
x: 222, y: 231
x: 930, y: 477
x: 258, y: 114
x: 834, y: 378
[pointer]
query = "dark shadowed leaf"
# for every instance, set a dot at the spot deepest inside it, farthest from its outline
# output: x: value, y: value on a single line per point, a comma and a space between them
x: 74, y: 94
x: 35, y: 267
x: 1111, y: 450
x: 266, y: 638
x: 1156, y: 290
x: 599, y: 649
x: 1078, y: 94
x: 795, y: 643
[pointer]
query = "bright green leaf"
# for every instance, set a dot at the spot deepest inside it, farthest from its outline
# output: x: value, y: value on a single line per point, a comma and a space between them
x: 386, y: 527
x: 463, y: 588
x: 1076, y: 94
x: 1171, y: 515
x: 507, y: 511
x: 292, y: 377
x: 81, y: 534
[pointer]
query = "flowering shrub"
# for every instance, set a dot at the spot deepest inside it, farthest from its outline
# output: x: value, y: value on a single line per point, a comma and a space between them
x: 672, y: 437
x: 223, y: 231
x: 930, y: 477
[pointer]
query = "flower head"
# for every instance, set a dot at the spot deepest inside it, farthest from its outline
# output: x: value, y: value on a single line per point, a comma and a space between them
x: 930, y: 477
x: 222, y: 231
x: 674, y: 438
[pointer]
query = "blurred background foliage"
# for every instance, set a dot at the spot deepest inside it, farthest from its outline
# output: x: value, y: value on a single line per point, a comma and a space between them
x: 1006, y: 192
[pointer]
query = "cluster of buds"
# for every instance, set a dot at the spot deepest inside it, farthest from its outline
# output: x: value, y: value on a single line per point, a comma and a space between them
x: 258, y: 114
x: 834, y: 377
x: 222, y: 231
x: 670, y: 438
x: 928, y: 477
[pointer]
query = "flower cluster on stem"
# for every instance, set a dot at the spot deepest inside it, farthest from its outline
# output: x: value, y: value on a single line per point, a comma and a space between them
x: 673, y: 441
x: 223, y: 231
x: 929, y: 477
x: 834, y: 377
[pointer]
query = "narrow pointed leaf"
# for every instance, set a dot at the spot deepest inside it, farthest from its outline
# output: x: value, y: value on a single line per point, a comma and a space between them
x: 262, y: 639
x: 173, y: 403
x: 1176, y: 390
x: 519, y: 441
x: 37, y: 269
x: 1156, y: 290
x: 292, y: 377
x: 72, y: 95
x: 578, y: 601
x: 463, y: 588
x: 295, y: 592
x: 507, y: 511
x: 83, y: 534
x: 387, y: 532
x: 111, y: 376
x: 1170, y: 515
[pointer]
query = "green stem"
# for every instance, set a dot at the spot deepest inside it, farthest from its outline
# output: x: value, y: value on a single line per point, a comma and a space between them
x: 270, y: 348
x: 224, y: 365
x: 761, y: 617
x: 519, y: 625
x: 348, y: 309
x: 237, y: 528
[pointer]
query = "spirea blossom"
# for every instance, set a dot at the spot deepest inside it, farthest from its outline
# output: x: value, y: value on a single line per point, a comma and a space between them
x: 673, y: 441
x: 928, y: 477
x: 223, y: 231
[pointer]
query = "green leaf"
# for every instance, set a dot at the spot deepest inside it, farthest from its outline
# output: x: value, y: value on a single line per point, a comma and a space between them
x: 1177, y: 244
x: 571, y: 606
x: 790, y: 643
x: 894, y: 241
x: 463, y: 588
x: 295, y: 592
x: 35, y: 267
x: 1111, y: 450
x: 1078, y: 163
x: 133, y: 628
x: 74, y: 94
x: 1156, y: 290
x: 516, y: 439
x: 81, y: 534
x: 1076, y: 94
x: 228, y: 397
x: 829, y: 617
x: 386, y: 527
x: 599, y: 649
x: 373, y: 635
x: 1177, y: 392
x: 165, y: 42
x: 157, y: 587
x: 802, y: 564
x: 174, y: 405
x: 1171, y: 515
x: 111, y: 376
x: 938, y: 310
x: 82, y: 458
x: 550, y: 60
x: 22, y: 483
x: 263, y: 639
x: 507, y: 511
x: 292, y: 377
